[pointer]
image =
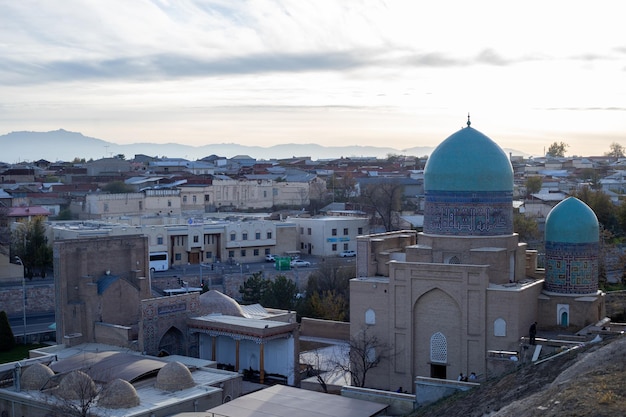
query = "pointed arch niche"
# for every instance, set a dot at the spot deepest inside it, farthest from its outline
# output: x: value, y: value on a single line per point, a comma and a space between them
x: 437, y: 330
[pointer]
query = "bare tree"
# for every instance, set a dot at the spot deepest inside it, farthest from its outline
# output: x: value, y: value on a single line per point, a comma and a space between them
x: 385, y: 199
x: 365, y: 352
x: 77, y: 394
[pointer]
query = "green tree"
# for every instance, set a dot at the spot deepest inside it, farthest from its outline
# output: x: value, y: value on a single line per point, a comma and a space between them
x: 118, y: 187
x: 557, y: 149
x: 30, y: 243
x: 525, y: 227
x: 65, y: 214
x: 281, y: 293
x: 533, y: 184
x: 254, y: 288
x: 602, y: 205
x: 329, y: 305
x: 615, y: 150
x: 7, y: 340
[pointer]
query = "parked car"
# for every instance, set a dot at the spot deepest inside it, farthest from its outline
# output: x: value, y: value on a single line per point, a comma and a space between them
x: 347, y: 253
x: 299, y: 263
x: 270, y: 258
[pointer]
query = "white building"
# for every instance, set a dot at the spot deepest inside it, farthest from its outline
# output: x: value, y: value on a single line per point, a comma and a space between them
x: 329, y: 235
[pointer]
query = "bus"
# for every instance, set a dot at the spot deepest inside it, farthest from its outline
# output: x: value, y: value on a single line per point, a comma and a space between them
x: 158, y: 261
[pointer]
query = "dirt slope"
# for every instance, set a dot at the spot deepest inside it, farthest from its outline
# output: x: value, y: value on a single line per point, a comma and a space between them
x: 590, y: 381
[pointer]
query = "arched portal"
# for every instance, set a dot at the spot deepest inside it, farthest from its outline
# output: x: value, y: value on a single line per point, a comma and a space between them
x: 172, y: 342
x: 437, y: 322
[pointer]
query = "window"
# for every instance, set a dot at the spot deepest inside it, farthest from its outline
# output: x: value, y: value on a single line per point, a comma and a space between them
x: 233, y: 236
x: 207, y: 198
x: 334, y: 232
x: 370, y: 316
x: 345, y: 246
x: 141, y: 205
x: 302, y: 230
x: 196, y: 239
x: 209, y: 255
x: 438, y: 348
x: 243, y: 252
x: 499, y: 327
x: 267, y: 251
x: 177, y: 257
x: 256, y: 252
x: 257, y: 235
x: 345, y: 231
x: 231, y: 253
x: 244, y: 236
x: 308, y: 231
x: 159, y: 240
x: 269, y: 235
x: 193, y: 198
x: 169, y: 203
x: 185, y: 199
x: 264, y: 194
x: 106, y: 207
x: 334, y: 247
x: 360, y: 231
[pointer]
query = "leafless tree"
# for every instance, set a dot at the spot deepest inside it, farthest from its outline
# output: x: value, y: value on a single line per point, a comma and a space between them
x: 386, y: 200
x: 365, y: 352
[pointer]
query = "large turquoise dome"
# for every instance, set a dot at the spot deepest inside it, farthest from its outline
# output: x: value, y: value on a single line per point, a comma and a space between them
x: 468, y: 161
x: 468, y: 187
x: 572, y: 221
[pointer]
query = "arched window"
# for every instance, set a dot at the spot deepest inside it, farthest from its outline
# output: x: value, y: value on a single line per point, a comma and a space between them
x: 454, y: 259
x: 499, y: 328
x: 370, y: 316
x: 438, y: 348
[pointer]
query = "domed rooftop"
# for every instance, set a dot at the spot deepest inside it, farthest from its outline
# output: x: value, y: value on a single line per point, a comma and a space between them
x: 77, y: 385
x: 214, y: 302
x: 468, y: 161
x: 174, y: 377
x: 119, y: 394
x: 35, y: 376
x: 572, y: 221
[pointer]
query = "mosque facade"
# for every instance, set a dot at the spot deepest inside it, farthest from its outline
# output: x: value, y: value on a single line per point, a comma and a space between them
x: 446, y: 298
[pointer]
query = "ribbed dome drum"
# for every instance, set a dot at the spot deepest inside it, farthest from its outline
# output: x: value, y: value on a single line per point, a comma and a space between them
x: 572, y: 248
x: 468, y: 184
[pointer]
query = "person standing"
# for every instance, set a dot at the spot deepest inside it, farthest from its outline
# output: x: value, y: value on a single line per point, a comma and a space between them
x: 532, y: 332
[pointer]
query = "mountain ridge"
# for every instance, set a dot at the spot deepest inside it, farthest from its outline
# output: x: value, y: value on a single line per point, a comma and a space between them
x: 64, y: 145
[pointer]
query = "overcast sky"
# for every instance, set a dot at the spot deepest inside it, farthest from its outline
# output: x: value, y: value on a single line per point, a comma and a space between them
x: 333, y: 72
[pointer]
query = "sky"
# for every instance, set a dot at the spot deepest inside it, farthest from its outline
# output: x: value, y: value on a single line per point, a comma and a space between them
x: 332, y: 72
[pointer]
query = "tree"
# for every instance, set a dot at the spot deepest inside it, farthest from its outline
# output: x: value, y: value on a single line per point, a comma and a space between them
x: 118, y: 187
x: 616, y: 150
x: 557, y: 149
x: 533, y: 185
x: 386, y: 200
x: 329, y: 305
x: 7, y: 339
x: 30, y: 243
x: 78, y: 397
x: 602, y: 206
x: 525, y: 227
x: 281, y: 293
x: 253, y: 289
x: 365, y: 352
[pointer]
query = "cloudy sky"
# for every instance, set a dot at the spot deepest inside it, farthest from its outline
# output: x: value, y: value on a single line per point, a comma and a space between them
x: 333, y: 72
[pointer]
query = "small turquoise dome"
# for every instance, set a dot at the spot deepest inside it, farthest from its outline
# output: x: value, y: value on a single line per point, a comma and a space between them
x: 572, y: 221
x: 468, y: 161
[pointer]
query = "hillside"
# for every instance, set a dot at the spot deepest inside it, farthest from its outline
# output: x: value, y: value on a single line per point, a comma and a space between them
x: 590, y: 381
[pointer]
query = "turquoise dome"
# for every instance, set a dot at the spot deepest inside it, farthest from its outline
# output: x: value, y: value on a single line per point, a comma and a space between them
x: 572, y: 221
x: 468, y: 161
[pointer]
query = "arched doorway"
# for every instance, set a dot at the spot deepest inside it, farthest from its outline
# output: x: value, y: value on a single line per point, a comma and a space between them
x: 172, y: 342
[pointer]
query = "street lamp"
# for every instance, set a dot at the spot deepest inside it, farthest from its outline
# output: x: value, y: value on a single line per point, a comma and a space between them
x: 19, y: 260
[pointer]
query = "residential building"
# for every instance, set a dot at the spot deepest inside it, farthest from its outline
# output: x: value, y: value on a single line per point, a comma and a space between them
x: 329, y: 235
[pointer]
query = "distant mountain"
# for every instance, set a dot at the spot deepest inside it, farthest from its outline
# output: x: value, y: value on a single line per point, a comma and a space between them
x: 61, y: 145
